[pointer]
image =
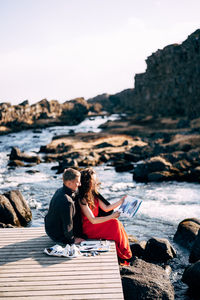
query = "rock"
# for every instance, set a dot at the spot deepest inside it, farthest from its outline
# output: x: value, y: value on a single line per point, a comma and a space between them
x: 32, y: 171
x: 160, y: 176
x: 140, y: 173
x: 74, y: 111
x: 194, y: 156
x: 103, y: 145
x: 125, y: 143
x: 43, y: 149
x: 137, y: 149
x: 184, y: 142
x: 138, y: 249
x: 66, y: 163
x: 89, y: 160
x: 158, y: 163
x: 104, y: 157
x: 62, y: 148
x: 16, y: 154
x: 183, y: 123
x: 182, y: 165
x: 16, y: 163
x: 195, y: 251
x: 152, y: 165
x: 186, y: 233
x: 175, y: 156
x: 159, y: 250
x: 24, y: 103
x: 7, y: 212
x: 132, y: 157
x: 124, y: 167
x: 20, y: 206
x: 195, y: 174
x: 146, y: 281
x: 191, y: 277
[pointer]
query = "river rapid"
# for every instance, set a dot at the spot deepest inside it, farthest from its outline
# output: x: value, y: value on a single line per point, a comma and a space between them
x: 164, y: 205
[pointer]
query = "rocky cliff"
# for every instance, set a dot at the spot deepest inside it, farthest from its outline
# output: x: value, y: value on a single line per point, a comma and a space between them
x: 169, y: 87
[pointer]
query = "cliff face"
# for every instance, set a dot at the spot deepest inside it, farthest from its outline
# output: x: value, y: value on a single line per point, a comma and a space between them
x: 169, y: 87
x: 171, y: 83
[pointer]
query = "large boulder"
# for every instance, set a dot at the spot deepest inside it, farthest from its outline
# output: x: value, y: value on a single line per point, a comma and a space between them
x: 66, y: 163
x: 195, y: 251
x: 143, y: 281
x: 138, y: 249
x: 7, y: 212
x: 158, y: 165
x: 14, y: 209
x: 186, y: 233
x: 74, y: 111
x: 20, y: 206
x: 159, y: 250
x: 123, y: 166
x: 191, y: 277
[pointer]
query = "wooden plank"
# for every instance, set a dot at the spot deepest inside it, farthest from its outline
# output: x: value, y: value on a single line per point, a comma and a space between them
x: 40, y: 278
x: 45, y: 261
x: 69, y: 297
x: 27, y: 273
x: 67, y: 281
x: 60, y: 273
x: 61, y: 291
x: 55, y: 287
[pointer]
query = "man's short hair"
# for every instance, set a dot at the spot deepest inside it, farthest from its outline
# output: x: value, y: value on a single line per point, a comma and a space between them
x: 70, y: 174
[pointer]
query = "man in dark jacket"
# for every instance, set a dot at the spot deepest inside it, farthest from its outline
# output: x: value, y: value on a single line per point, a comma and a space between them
x: 59, y: 219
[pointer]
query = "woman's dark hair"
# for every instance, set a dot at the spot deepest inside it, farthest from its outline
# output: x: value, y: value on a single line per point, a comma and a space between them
x: 86, y: 190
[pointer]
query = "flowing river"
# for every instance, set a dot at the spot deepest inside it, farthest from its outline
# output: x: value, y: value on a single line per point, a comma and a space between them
x: 164, y: 204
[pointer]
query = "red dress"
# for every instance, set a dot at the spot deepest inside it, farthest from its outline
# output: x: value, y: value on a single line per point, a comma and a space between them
x: 109, y: 230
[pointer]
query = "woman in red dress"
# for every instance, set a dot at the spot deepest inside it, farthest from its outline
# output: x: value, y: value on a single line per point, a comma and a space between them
x: 104, y: 227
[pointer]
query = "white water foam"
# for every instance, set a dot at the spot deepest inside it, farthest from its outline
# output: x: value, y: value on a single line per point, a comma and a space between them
x: 174, y: 213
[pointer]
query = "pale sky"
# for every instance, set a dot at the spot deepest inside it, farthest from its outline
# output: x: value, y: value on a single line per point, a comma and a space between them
x: 63, y: 49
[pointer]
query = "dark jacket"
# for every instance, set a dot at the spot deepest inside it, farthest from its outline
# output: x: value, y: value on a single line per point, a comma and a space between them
x: 59, y: 219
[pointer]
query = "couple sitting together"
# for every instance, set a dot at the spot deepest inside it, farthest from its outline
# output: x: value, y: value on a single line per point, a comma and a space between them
x: 77, y: 211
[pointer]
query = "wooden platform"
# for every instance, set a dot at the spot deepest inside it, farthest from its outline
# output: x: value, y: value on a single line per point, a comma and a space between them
x: 27, y: 273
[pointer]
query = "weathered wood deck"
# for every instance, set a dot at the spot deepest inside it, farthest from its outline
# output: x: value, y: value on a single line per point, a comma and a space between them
x: 27, y: 273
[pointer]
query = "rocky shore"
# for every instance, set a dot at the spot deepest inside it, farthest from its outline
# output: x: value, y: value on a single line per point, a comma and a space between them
x: 151, y: 149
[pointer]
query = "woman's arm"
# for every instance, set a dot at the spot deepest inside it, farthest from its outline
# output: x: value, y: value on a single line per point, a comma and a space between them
x: 96, y: 220
x: 112, y: 206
